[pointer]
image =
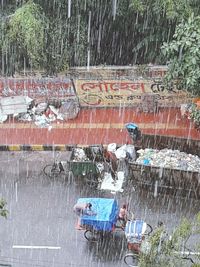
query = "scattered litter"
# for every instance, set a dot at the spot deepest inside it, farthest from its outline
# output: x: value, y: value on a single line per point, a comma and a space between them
x: 41, y: 121
x: 23, y: 108
x: 109, y: 184
x: 69, y: 109
x: 79, y: 155
x: 3, y: 117
x: 168, y: 158
x: 100, y: 167
x: 25, y: 117
x: 41, y: 107
x: 54, y: 110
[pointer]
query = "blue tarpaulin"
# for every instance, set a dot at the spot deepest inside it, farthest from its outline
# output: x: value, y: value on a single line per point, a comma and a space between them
x: 106, y: 211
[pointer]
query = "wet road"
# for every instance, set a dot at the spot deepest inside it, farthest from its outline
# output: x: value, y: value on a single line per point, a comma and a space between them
x: 40, y: 229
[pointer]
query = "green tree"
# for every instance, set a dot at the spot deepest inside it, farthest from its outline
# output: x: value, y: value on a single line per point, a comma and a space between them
x: 23, y: 38
x: 183, y: 53
x: 164, y: 250
x: 3, y: 210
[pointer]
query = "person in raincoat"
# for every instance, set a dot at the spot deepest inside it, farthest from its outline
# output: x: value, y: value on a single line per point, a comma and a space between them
x: 133, y: 131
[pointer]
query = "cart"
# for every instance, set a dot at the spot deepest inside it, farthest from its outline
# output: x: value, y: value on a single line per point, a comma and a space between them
x: 85, y: 167
x: 135, y: 232
x: 105, y: 220
x: 138, y: 232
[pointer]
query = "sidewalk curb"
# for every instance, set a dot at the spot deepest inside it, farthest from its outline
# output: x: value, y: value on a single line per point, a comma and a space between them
x: 36, y: 147
x: 56, y: 147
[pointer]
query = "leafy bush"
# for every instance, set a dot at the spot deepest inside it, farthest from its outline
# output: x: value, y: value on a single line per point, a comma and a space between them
x: 194, y: 114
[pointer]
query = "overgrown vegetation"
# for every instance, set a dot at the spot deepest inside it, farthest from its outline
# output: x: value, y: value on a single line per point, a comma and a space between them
x: 43, y: 34
x: 183, y: 54
x: 3, y: 210
x: 165, y: 250
x: 194, y: 114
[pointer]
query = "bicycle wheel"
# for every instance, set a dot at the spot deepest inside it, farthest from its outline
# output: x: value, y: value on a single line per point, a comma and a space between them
x: 91, y: 181
x: 52, y: 171
x: 131, y: 259
x: 149, y: 229
x: 92, y: 235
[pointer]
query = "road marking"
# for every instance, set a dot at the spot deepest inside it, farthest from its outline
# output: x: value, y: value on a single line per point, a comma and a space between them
x: 36, y: 247
x: 95, y: 125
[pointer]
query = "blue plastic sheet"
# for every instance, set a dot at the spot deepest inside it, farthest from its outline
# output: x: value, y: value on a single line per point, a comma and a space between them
x: 106, y: 211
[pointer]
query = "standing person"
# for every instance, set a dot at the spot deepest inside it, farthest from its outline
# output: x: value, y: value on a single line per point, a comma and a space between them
x: 111, y: 158
x: 133, y: 131
x: 122, y: 216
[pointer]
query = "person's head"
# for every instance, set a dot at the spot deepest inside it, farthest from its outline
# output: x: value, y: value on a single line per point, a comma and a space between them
x: 124, y: 206
x: 160, y: 223
x: 89, y: 205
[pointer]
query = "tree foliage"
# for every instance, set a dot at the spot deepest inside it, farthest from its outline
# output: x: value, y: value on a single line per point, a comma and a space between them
x: 183, y: 54
x: 3, y: 210
x: 23, y: 39
x: 164, y: 250
x: 42, y: 34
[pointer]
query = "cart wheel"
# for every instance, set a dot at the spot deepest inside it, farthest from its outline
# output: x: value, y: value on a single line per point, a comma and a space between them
x: 149, y: 229
x: 131, y: 259
x: 52, y: 171
x: 92, y: 236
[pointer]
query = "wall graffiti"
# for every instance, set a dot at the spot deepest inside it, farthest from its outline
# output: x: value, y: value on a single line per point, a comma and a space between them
x: 127, y: 92
x: 159, y: 86
x: 37, y: 88
x: 100, y: 93
x: 112, y: 86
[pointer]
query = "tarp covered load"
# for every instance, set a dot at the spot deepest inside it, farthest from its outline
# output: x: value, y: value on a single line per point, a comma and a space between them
x: 135, y: 230
x: 106, y: 211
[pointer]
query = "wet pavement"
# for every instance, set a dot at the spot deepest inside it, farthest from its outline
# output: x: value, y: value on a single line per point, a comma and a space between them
x: 98, y: 126
x: 40, y: 229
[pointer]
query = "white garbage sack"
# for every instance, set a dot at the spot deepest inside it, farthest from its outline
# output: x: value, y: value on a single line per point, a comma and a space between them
x: 121, y: 152
x: 41, y: 107
x: 112, y: 147
x: 3, y: 117
x: 69, y: 109
x: 126, y: 151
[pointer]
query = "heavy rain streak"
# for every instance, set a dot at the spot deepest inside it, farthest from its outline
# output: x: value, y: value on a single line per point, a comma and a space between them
x: 99, y: 133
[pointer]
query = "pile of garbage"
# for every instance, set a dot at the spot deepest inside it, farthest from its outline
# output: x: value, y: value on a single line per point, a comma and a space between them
x: 168, y: 158
x: 125, y: 151
x: 79, y: 155
x: 42, y: 114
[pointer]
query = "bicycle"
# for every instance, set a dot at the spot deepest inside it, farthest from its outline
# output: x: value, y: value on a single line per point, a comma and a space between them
x: 58, y: 168
x: 55, y: 170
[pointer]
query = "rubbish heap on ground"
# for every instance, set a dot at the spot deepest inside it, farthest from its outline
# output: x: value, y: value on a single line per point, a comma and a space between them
x: 168, y: 158
x: 25, y: 109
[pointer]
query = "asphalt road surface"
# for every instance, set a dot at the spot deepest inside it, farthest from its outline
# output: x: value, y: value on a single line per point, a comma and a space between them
x: 40, y: 228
